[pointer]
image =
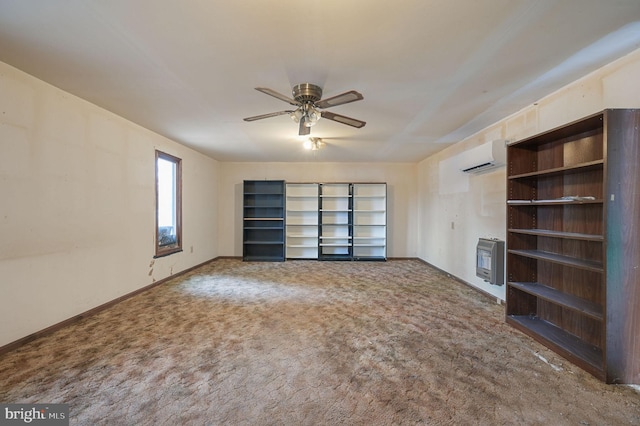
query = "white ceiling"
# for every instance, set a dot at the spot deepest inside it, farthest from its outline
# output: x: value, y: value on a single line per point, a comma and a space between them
x: 431, y: 71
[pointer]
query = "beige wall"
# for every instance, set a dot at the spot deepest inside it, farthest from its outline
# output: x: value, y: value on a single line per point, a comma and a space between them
x: 77, y: 216
x: 401, y: 200
x: 476, y: 204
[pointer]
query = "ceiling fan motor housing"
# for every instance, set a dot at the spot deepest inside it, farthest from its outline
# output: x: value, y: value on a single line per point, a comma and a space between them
x: 306, y: 92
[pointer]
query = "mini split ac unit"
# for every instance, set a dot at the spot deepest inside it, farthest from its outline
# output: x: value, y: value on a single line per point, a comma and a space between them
x: 484, y: 158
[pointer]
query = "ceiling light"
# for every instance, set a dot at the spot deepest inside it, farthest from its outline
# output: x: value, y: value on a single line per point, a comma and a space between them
x: 313, y: 144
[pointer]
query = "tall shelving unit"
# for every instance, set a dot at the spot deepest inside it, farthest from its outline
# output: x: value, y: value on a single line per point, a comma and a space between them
x: 370, y: 221
x: 302, y: 221
x: 335, y: 218
x: 573, y: 205
x: 263, y: 220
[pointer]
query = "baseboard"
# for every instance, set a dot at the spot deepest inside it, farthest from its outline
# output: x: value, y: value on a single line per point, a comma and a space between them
x: 460, y: 280
x: 51, y: 329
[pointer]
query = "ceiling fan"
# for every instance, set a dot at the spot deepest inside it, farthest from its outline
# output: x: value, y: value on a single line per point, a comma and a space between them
x: 308, y: 100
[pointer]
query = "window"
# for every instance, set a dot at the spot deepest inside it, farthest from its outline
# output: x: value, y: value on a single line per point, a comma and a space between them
x: 168, y: 204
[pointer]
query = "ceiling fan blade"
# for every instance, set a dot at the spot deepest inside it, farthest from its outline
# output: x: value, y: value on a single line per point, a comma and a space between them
x: 343, y: 98
x: 343, y: 119
x: 304, y: 130
x: 278, y: 95
x: 271, y: 114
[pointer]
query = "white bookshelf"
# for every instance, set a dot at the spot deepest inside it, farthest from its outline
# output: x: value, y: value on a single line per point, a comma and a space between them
x: 336, y: 221
x: 369, y: 221
x: 301, y: 221
x: 335, y: 204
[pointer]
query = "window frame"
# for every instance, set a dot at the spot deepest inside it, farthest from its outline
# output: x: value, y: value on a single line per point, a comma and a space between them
x: 176, y: 247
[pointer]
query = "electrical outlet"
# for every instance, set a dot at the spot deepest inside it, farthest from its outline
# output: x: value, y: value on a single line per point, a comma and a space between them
x: 453, y: 225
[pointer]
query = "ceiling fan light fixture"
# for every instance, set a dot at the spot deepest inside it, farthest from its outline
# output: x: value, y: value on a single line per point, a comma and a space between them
x: 297, y: 115
x: 307, y: 114
x: 313, y: 115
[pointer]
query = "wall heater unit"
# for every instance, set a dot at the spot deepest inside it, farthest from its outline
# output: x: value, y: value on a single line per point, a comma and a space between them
x: 490, y: 260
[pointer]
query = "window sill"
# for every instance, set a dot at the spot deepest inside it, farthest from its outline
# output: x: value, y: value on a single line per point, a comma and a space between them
x: 167, y: 253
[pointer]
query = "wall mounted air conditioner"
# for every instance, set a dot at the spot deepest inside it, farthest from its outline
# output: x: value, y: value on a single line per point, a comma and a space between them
x: 486, y: 157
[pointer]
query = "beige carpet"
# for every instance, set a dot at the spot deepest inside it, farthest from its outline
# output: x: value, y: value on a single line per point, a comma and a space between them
x: 308, y: 343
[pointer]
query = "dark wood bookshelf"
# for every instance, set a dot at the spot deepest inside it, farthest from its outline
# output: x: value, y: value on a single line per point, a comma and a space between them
x: 572, y: 278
